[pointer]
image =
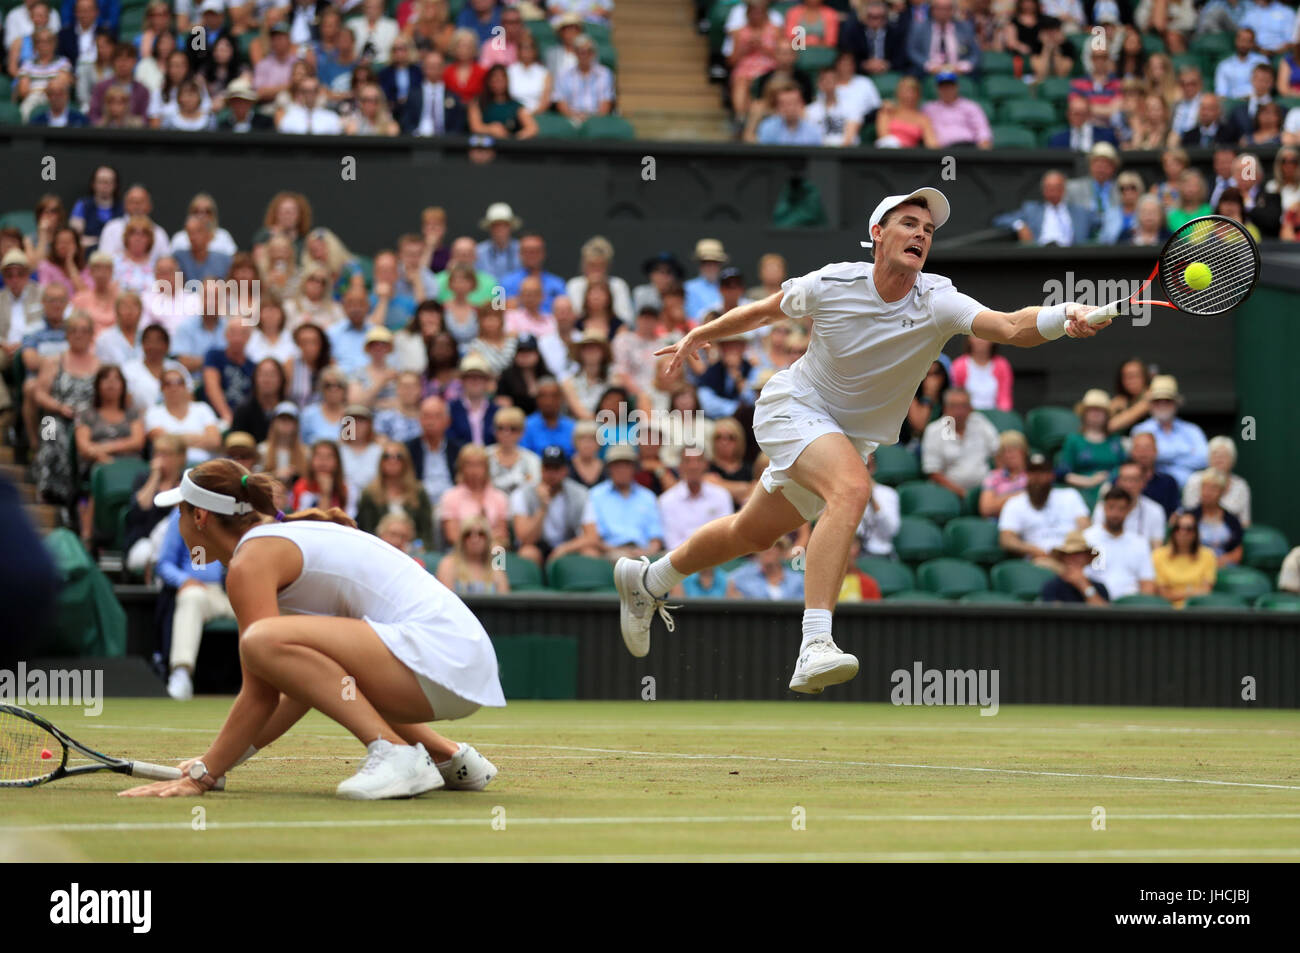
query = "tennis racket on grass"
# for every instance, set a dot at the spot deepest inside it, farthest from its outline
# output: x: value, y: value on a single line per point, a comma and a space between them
x: 33, y: 752
x: 1207, y: 267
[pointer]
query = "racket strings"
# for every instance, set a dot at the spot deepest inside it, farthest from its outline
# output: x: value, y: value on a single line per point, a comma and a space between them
x: 21, y: 745
x: 1222, y: 246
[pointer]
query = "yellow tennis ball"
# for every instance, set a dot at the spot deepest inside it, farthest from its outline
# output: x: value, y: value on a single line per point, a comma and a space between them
x: 1197, y: 275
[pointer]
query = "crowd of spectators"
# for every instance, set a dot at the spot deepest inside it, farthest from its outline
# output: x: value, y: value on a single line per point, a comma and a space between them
x: 355, y: 67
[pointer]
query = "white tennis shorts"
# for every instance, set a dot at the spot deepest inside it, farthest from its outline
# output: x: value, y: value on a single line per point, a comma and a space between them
x: 446, y: 704
x: 783, y: 427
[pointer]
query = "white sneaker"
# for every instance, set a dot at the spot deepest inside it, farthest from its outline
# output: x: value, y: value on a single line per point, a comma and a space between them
x: 467, y: 770
x: 391, y: 771
x: 179, y: 685
x: 821, y: 663
x: 637, y: 606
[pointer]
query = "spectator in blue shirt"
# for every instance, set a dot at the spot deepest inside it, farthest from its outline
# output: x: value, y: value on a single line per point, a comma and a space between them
x: 498, y: 254
x: 198, y: 334
x: 1181, y: 447
x: 228, y: 373
x: 1074, y: 555
x: 199, y: 262
x: 1273, y: 23
x: 626, y: 514
x: 200, y: 598
x: 1232, y: 75
x: 548, y: 426
x: 787, y: 126
x: 587, y: 89
x: 532, y: 263
x: 348, y: 338
x: 728, y: 383
x: 705, y: 584
x: 766, y: 576
x: 702, y: 292
x: 481, y: 16
x: 48, y: 339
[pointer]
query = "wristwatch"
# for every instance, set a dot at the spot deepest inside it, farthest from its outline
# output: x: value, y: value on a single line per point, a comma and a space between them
x: 199, y: 772
x: 1087, y: 594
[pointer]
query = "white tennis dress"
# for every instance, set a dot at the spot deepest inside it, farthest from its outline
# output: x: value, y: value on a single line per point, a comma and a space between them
x: 866, y: 357
x: 354, y: 575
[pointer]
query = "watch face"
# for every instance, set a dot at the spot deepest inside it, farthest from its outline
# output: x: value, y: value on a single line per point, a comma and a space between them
x: 197, y: 770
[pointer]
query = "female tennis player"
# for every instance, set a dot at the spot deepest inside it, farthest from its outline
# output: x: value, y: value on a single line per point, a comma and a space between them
x: 877, y: 327
x: 372, y: 640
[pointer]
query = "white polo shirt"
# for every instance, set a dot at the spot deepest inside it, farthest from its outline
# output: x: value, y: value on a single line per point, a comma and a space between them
x: 866, y: 357
x: 1122, y: 561
x: 1045, y: 528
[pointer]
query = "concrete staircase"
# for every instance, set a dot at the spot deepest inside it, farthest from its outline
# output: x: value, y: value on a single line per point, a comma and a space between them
x: 45, y: 516
x: 663, y: 64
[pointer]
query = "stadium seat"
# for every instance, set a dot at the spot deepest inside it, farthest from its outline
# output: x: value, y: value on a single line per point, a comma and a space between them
x: 607, y: 53
x: 1216, y: 45
x: 524, y: 574
x: 1013, y: 137
x: 1279, y: 602
x: 717, y: 24
x: 1054, y: 89
x: 24, y: 219
x: 1049, y: 426
x: 989, y: 107
x: 110, y: 488
x: 815, y: 59
x: 607, y: 127
x: 10, y: 115
x: 1264, y: 548
x: 970, y: 506
x: 1242, y: 581
x: 918, y: 540
x: 990, y: 598
x: 999, y: 88
x: 555, y: 126
x: 915, y: 595
x: 1217, y: 600
x: 922, y: 498
x: 997, y: 63
x: 887, y: 84
x: 1152, y: 43
x: 951, y: 578
x: 1021, y: 579
x: 1005, y: 420
x: 581, y: 574
x: 1033, y: 113
x: 974, y: 539
x: 1142, y: 600
x: 895, y: 465
x: 890, y: 574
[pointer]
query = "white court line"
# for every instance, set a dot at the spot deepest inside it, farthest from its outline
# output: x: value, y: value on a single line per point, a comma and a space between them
x: 774, y: 819
x: 890, y: 764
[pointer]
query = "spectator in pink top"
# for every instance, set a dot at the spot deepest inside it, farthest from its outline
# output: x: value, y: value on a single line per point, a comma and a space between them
x: 1008, y: 477
x: 503, y: 48
x: 957, y: 121
x: 753, y: 53
x: 528, y: 317
x: 473, y: 495
x: 821, y: 25
x: 273, y: 72
x: 985, y: 375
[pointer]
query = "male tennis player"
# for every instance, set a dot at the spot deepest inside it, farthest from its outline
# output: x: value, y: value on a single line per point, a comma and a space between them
x: 876, y: 329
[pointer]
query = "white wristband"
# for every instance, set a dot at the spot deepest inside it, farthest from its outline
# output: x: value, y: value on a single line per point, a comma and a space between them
x: 1051, y: 322
x: 252, y: 750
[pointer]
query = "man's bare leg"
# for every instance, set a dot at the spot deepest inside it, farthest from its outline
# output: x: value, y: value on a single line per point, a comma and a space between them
x: 764, y: 519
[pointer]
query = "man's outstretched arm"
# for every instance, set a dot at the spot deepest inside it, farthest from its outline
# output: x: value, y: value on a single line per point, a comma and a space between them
x: 1034, y: 325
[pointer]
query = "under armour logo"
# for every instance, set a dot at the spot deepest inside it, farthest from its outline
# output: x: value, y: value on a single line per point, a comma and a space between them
x: 908, y: 322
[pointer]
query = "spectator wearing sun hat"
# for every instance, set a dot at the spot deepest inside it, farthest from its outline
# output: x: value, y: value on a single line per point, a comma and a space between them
x: 473, y: 411
x: 1093, y: 454
x: 240, y: 100
x: 240, y: 446
x: 587, y: 89
x: 1181, y: 447
x: 374, y: 384
x: 1097, y: 191
x: 1074, y: 555
x: 702, y: 292
x: 626, y: 514
x: 498, y: 254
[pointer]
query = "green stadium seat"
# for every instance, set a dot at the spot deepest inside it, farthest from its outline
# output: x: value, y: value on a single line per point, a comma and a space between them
x: 554, y: 126
x: 1033, y: 113
x: 1049, y: 426
x: 970, y: 506
x: 990, y: 598
x: 600, y: 32
x: 717, y: 24
x: 951, y: 578
x: 131, y: 23
x: 10, y: 114
x: 607, y: 53
x: 887, y: 84
x: 990, y: 109
x: 1279, y: 602
x: 24, y: 219
x: 1005, y: 420
x: 922, y: 498
x: 524, y: 574
x: 1217, y: 45
x: 110, y: 488
x: 1287, y: 102
x: 890, y: 574
x: 1188, y: 59
x: 915, y: 595
x: 1242, y: 581
x: 1229, y: 105
x: 1013, y: 137
x: 974, y: 539
x: 1142, y: 600
x: 895, y: 465
x: 581, y: 574
x: 1152, y: 43
x: 1054, y: 89
x: 1264, y: 547
x: 999, y: 88
x: 918, y: 540
x: 1217, y: 600
x: 607, y: 127
x: 997, y: 63
x: 1021, y: 579
x: 816, y: 58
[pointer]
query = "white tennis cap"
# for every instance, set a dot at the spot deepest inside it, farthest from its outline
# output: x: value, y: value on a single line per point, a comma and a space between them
x: 195, y: 495
x: 936, y: 200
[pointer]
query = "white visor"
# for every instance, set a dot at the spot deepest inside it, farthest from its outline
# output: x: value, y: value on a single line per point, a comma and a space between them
x: 195, y: 495
x: 940, y: 210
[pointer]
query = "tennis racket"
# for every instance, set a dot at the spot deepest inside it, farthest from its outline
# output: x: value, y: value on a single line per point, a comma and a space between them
x: 1228, y: 271
x: 33, y: 752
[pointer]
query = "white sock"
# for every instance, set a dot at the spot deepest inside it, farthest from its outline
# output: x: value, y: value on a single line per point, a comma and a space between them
x: 816, y: 626
x: 662, y: 577
x: 460, y: 746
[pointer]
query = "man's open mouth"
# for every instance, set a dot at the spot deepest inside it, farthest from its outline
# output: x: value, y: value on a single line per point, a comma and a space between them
x: 914, y: 249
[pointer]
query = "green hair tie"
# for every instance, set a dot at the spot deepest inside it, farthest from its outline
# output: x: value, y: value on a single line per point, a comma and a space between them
x: 243, y: 481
